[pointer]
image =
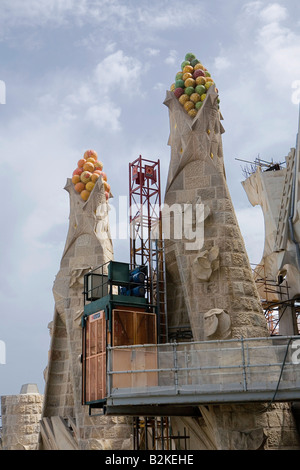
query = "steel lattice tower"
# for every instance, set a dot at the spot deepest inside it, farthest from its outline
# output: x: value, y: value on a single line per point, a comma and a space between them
x: 146, y: 243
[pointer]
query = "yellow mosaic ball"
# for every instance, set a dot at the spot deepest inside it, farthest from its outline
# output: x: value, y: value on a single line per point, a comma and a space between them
x: 189, y: 105
x: 195, y: 97
x: 183, y: 99
x: 192, y: 113
x: 188, y: 69
x: 186, y: 76
x: 199, y: 66
x: 200, y: 81
x: 189, y: 82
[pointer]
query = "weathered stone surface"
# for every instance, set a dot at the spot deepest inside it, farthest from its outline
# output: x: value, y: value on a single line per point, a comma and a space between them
x: 21, y: 416
x: 88, y: 245
x: 196, y: 178
x: 226, y: 287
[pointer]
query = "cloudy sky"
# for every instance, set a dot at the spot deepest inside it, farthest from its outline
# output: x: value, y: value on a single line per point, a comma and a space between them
x: 80, y: 74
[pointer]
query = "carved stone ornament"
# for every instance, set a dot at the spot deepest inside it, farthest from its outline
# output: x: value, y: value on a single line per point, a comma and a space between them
x: 77, y: 275
x: 217, y: 324
x: 252, y: 439
x: 205, y: 263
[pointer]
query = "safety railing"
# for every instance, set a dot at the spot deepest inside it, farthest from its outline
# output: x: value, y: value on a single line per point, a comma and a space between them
x: 209, y: 371
x: 115, y: 278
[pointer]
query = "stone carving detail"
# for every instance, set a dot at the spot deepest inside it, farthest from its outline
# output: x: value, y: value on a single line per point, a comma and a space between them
x: 77, y: 275
x: 217, y: 324
x: 205, y: 263
x: 252, y: 439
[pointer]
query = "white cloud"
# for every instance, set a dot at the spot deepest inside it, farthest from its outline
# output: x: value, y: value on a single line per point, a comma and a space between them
x: 96, y: 97
x: 159, y: 86
x: 104, y: 116
x: 172, y: 57
x: 273, y: 12
x: 221, y: 63
x: 112, y: 15
x: 34, y: 12
x: 279, y: 50
x: 110, y: 47
x: 269, y: 47
x: 166, y: 15
x: 60, y: 12
x: 252, y: 8
x: 152, y: 52
x: 119, y: 72
x: 83, y: 95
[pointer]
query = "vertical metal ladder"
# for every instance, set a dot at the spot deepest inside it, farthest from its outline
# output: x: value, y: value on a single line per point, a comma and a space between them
x: 158, y: 288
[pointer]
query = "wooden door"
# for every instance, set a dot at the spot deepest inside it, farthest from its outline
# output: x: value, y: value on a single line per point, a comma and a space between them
x: 94, y: 358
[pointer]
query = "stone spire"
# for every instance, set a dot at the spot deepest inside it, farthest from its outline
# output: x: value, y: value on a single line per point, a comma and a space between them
x: 277, y: 191
x: 87, y: 246
x: 210, y: 286
x: 210, y: 282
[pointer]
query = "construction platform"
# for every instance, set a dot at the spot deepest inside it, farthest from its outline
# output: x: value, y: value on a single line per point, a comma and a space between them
x: 175, y: 378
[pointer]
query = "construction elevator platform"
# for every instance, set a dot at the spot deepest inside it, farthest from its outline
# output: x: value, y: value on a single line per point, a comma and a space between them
x: 129, y: 365
x: 183, y: 376
x: 126, y: 371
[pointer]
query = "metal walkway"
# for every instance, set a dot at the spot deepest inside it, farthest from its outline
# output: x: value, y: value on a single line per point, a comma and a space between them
x: 175, y: 378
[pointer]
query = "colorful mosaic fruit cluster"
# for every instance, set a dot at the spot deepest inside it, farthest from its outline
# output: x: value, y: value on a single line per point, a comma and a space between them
x: 85, y: 176
x: 191, y: 84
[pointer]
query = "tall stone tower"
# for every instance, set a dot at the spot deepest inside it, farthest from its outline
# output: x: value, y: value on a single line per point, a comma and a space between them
x: 276, y: 189
x: 66, y: 423
x: 213, y: 271
x: 210, y: 285
x: 21, y: 416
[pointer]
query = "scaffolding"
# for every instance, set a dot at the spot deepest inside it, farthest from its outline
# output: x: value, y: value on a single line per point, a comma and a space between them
x: 144, y: 209
x: 275, y: 299
x: 251, y: 167
x: 155, y: 433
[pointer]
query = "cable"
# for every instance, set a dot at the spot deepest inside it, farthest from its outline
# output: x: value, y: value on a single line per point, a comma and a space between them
x: 280, y: 375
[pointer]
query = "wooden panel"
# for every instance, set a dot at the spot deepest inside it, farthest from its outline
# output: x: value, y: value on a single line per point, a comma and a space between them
x: 145, y: 360
x: 137, y: 360
x: 121, y: 361
x: 145, y: 328
x: 94, y: 363
x: 129, y: 327
x: 123, y: 328
x: 133, y: 327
